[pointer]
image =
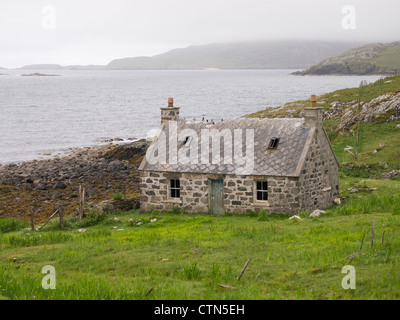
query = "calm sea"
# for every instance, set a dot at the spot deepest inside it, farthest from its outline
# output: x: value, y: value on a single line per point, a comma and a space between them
x: 81, y: 108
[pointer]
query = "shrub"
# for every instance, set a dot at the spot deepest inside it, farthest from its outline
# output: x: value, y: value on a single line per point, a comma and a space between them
x: 9, y: 225
x: 263, y: 215
x: 94, y: 217
x: 117, y: 195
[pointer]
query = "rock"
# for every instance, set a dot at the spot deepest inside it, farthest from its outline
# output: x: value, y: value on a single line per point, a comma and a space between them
x: 42, y: 186
x: 390, y: 175
x: 295, y: 217
x: 398, y: 126
x: 46, y: 154
x: 60, y: 185
x: 97, y: 169
x: 337, y: 201
x: 353, y: 190
x: 110, y: 206
x: 82, y: 230
x: 117, y: 220
x: 317, y: 213
x: 115, y: 165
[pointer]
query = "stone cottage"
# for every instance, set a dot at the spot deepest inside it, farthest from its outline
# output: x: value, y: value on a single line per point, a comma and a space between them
x: 282, y: 165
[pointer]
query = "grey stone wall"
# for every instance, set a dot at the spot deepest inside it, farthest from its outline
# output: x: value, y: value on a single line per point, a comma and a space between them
x: 319, y: 179
x: 154, y: 192
x: 239, y: 193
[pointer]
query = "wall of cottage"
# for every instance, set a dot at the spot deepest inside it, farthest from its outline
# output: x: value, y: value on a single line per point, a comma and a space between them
x: 239, y: 193
x: 154, y: 192
x: 319, y: 179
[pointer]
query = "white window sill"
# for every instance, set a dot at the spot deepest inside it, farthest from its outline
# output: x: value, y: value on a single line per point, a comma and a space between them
x: 177, y: 200
x: 261, y: 204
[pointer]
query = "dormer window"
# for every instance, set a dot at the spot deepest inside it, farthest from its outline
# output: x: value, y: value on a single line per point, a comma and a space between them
x: 273, y: 144
x: 186, y: 142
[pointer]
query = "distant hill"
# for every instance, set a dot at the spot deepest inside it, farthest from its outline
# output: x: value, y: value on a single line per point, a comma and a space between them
x: 43, y: 67
x: 240, y: 55
x: 60, y: 67
x: 375, y: 58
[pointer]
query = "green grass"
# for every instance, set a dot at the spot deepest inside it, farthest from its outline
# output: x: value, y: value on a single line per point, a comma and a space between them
x: 389, y: 58
x: 186, y: 256
x: 371, y: 136
x: 9, y: 225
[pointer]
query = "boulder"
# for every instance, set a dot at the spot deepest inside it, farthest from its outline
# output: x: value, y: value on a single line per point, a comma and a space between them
x: 60, y: 185
x: 317, y: 213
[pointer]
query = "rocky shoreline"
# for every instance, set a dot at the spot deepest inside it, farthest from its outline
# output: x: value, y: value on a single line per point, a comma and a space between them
x: 43, y: 185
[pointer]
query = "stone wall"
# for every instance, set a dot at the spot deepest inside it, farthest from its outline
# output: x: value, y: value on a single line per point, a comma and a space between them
x: 319, y: 179
x: 239, y: 193
x: 111, y: 206
x: 154, y: 193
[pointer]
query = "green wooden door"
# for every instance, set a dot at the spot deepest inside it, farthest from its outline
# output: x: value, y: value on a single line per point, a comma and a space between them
x: 217, y: 196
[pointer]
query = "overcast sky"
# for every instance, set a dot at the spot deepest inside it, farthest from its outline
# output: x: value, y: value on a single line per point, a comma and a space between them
x: 97, y: 31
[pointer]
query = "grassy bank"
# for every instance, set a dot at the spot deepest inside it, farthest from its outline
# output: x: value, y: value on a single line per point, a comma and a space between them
x: 186, y: 256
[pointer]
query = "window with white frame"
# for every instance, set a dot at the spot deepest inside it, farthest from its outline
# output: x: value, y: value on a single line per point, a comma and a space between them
x: 262, y: 190
x: 175, y: 188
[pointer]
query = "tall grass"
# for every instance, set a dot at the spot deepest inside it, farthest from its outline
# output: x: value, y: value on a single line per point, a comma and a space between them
x: 371, y: 204
x: 9, y: 225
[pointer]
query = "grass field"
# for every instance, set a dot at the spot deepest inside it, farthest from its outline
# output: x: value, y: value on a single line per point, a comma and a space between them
x: 185, y: 256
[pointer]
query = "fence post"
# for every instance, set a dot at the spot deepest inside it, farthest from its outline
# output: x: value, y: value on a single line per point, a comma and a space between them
x: 32, y: 223
x: 61, y: 217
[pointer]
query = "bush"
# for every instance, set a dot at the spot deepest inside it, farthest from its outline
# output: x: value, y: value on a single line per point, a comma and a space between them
x: 9, y: 225
x: 117, y: 195
x: 92, y: 218
x: 263, y: 215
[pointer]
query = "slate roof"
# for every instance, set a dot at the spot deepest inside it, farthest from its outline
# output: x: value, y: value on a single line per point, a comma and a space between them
x: 286, y: 160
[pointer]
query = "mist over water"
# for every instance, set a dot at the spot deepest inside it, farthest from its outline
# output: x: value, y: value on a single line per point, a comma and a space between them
x: 81, y: 108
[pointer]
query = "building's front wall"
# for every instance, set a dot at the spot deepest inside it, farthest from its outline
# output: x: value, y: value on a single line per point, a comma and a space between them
x: 239, y: 193
x: 154, y: 192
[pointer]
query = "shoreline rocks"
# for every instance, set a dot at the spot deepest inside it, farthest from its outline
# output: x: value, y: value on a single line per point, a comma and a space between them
x: 45, y: 184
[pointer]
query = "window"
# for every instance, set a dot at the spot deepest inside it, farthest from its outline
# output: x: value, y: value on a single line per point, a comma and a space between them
x: 273, y: 144
x: 175, y: 188
x: 262, y: 190
x: 187, y: 141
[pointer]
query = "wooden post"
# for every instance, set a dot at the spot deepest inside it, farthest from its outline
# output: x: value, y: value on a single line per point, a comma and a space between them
x: 372, y: 232
x: 83, y: 202
x: 244, y: 268
x: 362, y: 241
x: 80, y: 202
x: 49, y: 219
x: 32, y: 224
x: 61, y: 217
